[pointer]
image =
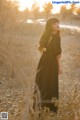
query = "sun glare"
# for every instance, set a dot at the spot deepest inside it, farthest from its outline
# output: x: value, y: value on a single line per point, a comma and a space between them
x: 23, y: 4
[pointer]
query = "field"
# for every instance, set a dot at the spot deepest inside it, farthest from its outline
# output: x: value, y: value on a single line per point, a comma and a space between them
x: 18, y: 61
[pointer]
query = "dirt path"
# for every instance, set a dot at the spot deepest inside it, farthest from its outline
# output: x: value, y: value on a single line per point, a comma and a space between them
x: 70, y: 64
x: 15, y: 94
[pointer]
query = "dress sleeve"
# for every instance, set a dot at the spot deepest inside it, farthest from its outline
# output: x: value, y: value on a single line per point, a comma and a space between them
x: 57, y: 46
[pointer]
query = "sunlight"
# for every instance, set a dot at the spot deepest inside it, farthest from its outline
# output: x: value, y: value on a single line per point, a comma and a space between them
x: 23, y: 4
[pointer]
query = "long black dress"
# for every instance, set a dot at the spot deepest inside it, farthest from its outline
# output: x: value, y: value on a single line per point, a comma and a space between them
x: 47, y: 73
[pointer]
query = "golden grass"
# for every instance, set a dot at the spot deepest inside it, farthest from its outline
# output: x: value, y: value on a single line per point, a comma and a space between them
x: 19, y: 58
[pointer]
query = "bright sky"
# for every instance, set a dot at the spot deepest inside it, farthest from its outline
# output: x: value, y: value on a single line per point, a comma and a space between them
x: 28, y: 4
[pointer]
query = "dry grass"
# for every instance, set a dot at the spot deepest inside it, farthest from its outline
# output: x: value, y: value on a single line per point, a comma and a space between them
x: 18, y: 61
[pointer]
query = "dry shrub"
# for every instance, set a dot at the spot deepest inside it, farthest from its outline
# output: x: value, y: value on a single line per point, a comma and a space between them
x: 68, y: 108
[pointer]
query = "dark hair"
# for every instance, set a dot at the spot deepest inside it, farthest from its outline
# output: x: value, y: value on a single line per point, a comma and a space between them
x: 47, y: 32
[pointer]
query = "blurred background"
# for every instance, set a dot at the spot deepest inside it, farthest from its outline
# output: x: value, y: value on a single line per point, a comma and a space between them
x: 21, y: 24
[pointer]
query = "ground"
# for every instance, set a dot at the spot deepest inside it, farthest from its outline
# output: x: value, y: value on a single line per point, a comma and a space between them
x: 18, y: 64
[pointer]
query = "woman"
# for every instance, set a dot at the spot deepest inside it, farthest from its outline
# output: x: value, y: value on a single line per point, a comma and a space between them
x: 49, y: 64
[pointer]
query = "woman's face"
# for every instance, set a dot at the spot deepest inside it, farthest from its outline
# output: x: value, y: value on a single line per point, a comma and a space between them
x: 55, y: 26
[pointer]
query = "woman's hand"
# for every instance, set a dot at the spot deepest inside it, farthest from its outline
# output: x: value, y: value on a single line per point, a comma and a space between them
x: 41, y: 49
x: 59, y: 64
x: 60, y: 71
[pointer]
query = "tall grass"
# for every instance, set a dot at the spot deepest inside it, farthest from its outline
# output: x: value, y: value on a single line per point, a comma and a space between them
x: 68, y: 108
x: 19, y: 54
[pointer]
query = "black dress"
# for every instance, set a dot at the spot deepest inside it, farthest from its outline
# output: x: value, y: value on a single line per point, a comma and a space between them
x: 47, y: 73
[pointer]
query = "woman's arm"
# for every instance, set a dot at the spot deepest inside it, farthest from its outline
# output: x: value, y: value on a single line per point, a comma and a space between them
x: 41, y: 49
x: 59, y: 64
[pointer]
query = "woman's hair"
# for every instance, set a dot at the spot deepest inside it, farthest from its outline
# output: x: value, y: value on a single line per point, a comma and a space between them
x: 47, y: 32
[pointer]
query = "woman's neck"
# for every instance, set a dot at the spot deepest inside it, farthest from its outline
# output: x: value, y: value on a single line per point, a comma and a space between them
x: 54, y: 32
